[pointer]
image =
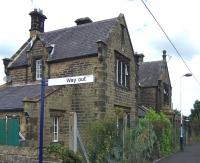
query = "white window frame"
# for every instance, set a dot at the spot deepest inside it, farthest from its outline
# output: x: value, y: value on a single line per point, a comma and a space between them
x: 126, y: 74
x: 122, y: 72
x: 38, y: 69
x: 55, y: 129
x: 117, y: 69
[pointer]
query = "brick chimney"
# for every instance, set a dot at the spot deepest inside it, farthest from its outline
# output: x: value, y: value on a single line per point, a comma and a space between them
x: 37, y: 22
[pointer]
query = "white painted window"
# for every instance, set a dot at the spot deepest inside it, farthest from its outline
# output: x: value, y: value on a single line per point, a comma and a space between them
x: 117, y: 70
x: 55, y: 129
x: 38, y: 69
x: 122, y: 71
x: 126, y: 75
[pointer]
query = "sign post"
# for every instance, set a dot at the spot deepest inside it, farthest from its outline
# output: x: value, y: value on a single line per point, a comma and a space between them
x: 71, y: 80
x: 41, y: 119
x: 54, y: 82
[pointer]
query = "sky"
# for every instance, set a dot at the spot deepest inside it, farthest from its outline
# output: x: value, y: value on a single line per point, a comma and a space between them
x: 180, y: 20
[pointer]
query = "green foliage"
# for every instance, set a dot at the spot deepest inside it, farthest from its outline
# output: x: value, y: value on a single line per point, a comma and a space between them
x: 195, y: 122
x: 103, y: 141
x: 143, y: 138
x: 195, y: 112
x: 63, y: 153
x: 177, y: 112
x: 163, y: 130
x: 108, y: 141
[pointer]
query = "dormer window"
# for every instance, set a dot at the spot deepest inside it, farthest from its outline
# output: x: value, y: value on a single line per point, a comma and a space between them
x: 38, y: 69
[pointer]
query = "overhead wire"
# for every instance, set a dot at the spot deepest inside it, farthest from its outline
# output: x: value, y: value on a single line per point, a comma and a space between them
x: 166, y: 35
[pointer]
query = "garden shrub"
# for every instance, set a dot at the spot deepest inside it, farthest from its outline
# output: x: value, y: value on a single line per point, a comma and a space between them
x: 108, y: 142
x: 63, y: 153
x: 163, y: 130
x: 142, y: 140
x: 104, y: 141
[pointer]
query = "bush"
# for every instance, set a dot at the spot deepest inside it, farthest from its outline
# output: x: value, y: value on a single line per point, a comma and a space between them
x: 163, y: 130
x: 142, y: 140
x: 63, y: 153
x: 103, y: 141
x: 108, y: 141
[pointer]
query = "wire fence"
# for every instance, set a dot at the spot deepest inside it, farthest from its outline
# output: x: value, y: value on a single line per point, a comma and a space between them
x: 110, y: 142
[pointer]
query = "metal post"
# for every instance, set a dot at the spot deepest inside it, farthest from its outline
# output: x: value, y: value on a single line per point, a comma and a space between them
x: 181, y: 126
x: 6, y: 129
x: 41, y: 120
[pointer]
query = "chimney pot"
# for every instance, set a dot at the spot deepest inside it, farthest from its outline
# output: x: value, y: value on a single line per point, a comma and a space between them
x: 164, y: 55
x: 139, y: 57
x: 84, y: 20
x: 37, y: 21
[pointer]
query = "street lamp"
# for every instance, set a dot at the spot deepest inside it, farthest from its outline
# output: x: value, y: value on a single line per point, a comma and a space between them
x: 181, y: 134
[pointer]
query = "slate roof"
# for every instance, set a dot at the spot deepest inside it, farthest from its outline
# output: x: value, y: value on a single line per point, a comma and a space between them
x: 11, y: 98
x: 70, y: 42
x: 149, y: 73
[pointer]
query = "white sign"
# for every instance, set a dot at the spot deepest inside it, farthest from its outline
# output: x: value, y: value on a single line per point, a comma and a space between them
x: 71, y: 80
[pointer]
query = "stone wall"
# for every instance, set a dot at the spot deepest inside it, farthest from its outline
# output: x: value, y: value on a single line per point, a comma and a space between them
x: 18, y: 75
x: 91, y: 100
x: 148, y: 97
x: 21, y: 155
x: 79, y: 98
x: 117, y: 96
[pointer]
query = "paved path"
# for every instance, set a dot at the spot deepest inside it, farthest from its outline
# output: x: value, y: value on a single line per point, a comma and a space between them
x: 190, y: 154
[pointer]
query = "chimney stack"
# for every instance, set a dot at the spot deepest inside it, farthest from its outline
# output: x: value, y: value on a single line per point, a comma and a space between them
x: 139, y: 57
x: 6, y: 62
x: 164, y: 55
x: 37, y: 22
x: 84, y: 20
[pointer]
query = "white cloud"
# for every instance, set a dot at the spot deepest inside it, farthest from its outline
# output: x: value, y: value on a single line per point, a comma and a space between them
x: 189, y: 87
x: 1, y: 72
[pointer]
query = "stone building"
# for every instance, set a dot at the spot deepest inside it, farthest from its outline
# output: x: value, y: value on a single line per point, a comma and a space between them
x: 154, y: 87
x: 101, y: 51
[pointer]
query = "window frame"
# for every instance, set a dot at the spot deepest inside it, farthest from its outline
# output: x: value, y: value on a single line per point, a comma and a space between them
x: 122, y: 70
x: 55, y: 129
x: 38, y: 69
x: 166, y: 94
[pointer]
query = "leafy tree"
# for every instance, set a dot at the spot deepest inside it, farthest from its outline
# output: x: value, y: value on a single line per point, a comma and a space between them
x: 177, y: 112
x: 195, y: 112
x: 195, y: 122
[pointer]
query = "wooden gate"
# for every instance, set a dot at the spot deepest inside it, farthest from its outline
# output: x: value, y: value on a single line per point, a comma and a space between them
x: 9, y: 131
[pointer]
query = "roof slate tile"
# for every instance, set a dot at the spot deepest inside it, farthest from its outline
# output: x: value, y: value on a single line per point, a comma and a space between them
x: 11, y: 98
x: 72, y: 42
x: 149, y: 73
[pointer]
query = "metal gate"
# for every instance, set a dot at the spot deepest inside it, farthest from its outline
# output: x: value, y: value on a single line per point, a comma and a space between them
x: 9, y: 131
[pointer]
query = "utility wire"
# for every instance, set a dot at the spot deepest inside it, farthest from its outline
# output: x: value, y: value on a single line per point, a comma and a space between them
x: 171, y: 43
